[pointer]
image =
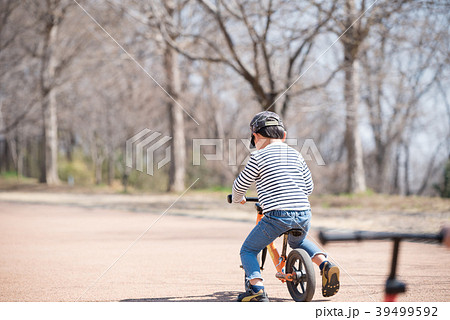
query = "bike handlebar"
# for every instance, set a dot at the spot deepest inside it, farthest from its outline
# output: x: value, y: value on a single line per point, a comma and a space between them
x: 367, y: 235
x: 248, y: 199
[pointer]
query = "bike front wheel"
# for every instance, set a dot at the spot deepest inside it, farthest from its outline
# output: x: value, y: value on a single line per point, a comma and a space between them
x: 303, y: 285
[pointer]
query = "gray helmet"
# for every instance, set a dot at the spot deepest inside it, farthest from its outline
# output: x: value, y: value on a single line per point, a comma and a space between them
x: 261, y: 120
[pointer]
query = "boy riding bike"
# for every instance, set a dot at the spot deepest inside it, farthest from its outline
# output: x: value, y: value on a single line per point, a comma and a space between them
x: 283, y: 183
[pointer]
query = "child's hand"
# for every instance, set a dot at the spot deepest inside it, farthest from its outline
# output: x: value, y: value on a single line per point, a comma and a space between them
x: 243, y: 201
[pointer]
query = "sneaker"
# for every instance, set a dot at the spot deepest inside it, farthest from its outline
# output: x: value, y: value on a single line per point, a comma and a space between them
x: 251, y: 296
x: 330, y: 279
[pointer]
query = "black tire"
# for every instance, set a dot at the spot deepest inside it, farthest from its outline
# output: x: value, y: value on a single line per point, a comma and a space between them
x: 302, y: 289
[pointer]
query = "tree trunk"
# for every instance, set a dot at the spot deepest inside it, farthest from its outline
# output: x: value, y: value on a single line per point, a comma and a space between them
x: 3, y: 154
x: 70, y: 146
x: 383, y: 159
x: 97, y: 158
x: 351, y: 42
x: 110, y: 168
x: 125, y: 178
x: 41, y: 153
x: 98, y: 171
x: 20, y: 156
x: 48, y: 68
x: 356, y: 175
x: 407, y: 172
x: 51, y: 140
x: 178, y: 145
x: 396, y: 174
x: 271, y: 105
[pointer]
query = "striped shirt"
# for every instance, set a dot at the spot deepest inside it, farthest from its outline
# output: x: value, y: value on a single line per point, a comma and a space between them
x: 283, y: 180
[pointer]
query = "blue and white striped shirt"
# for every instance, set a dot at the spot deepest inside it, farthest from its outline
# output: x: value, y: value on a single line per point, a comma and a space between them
x: 283, y: 180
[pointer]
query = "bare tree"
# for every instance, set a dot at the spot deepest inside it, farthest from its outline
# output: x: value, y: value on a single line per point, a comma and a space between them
x: 266, y: 43
x: 17, y: 110
x: 51, y: 13
x: 398, y: 81
x: 6, y: 39
x: 352, y: 23
x: 54, y: 53
x: 351, y: 42
x: 177, y: 170
x: 226, y: 60
x: 7, y: 8
x: 146, y: 14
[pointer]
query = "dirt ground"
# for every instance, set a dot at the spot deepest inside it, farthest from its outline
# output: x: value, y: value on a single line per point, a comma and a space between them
x: 69, y: 247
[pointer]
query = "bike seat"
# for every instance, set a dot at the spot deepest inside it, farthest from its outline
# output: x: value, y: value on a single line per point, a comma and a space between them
x: 295, y: 232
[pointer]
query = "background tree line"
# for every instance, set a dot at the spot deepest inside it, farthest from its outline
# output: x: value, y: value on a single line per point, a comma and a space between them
x: 367, y: 81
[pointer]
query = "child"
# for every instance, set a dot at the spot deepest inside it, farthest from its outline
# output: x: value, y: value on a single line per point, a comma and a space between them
x: 283, y: 182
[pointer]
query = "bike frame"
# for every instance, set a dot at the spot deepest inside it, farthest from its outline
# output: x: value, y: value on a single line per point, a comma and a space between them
x: 279, y: 261
x: 301, y: 275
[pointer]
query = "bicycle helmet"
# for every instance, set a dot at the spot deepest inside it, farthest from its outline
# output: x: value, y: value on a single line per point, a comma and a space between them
x: 262, y: 120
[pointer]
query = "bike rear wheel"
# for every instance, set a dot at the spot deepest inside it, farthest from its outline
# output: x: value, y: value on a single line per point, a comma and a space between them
x: 302, y: 287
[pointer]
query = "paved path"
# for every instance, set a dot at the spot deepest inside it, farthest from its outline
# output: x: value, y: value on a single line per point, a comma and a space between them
x: 57, y: 253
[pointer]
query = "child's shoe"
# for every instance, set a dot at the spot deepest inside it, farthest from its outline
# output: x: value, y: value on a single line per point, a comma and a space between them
x: 251, y: 296
x: 330, y: 279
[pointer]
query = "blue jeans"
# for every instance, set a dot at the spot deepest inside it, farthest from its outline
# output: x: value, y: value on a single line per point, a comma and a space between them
x: 272, y: 225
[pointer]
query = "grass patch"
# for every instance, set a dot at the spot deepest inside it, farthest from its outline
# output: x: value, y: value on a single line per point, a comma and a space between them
x: 381, y: 202
x: 77, y: 170
x: 12, y: 177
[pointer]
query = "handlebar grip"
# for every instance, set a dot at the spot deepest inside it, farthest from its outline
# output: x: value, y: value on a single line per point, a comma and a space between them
x: 249, y: 199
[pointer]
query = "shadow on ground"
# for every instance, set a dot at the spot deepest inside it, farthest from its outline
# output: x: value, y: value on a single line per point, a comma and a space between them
x: 222, y: 296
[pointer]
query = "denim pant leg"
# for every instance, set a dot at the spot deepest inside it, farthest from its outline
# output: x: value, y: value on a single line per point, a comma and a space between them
x: 261, y: 236
x: 301, y: 242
